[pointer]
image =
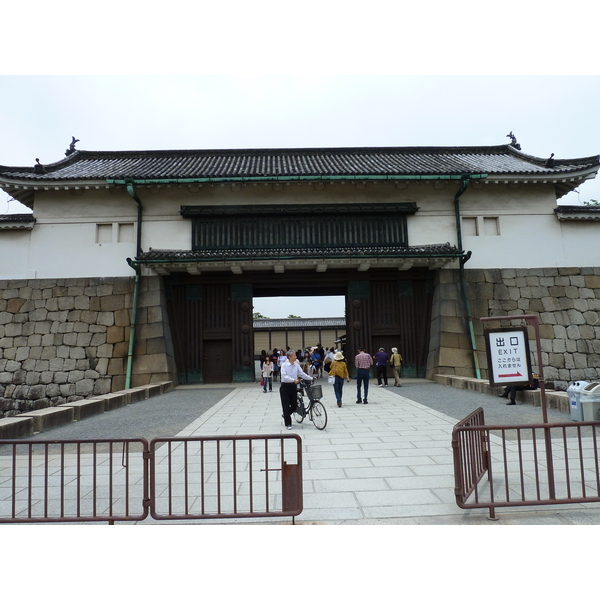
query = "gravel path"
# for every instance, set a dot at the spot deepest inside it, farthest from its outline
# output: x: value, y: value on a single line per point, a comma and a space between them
x: 160, y: 416
x: 457, y: 403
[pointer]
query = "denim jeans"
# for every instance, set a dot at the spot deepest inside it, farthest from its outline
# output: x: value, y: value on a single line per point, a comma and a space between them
x: 337, y: 388
x: 362, y: 377
x: 268, y: 380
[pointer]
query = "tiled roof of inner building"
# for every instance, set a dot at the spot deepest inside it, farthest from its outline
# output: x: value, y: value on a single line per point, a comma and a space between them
x: 266, y: 323
x: 304, y: 162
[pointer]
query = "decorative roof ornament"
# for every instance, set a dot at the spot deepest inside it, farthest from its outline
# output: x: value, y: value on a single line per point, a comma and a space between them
x: 513, y: 141
x: 71, y: 147
x: 550, y: 162
x: 38, y: 167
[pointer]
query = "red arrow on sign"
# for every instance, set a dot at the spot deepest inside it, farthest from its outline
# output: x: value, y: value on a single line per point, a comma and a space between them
x: 517, y: 374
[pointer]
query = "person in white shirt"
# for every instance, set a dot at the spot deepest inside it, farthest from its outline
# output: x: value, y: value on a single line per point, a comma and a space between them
x: 291, y: 373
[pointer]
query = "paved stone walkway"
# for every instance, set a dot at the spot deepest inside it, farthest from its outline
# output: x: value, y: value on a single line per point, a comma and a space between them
x: 386, y: 462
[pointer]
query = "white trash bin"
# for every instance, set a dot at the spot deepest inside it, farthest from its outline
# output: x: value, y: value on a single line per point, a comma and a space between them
x: 574, y: 391
x: 590, y: 401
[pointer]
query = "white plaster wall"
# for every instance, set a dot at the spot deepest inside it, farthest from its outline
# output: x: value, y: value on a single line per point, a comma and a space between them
x: 71, y: 250
x: 529, y: 235
x: 581, y: 243
x: 14, y: 254
x: 64, y: 242
x: 524, y: 241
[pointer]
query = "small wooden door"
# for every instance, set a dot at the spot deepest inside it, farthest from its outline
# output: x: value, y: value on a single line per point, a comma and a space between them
x: 217, y: 361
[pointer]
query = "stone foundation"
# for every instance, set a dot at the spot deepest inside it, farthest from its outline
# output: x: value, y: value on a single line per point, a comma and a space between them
x: 566, y: 300
x: 63, y: 340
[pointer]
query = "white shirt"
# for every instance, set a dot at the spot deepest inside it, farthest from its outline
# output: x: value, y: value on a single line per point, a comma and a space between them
x: 290, y: 372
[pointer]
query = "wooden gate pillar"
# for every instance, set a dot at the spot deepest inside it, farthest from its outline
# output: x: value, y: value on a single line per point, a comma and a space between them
x: 242, y: 332
x: 192, y: 319
x: 358, y: 321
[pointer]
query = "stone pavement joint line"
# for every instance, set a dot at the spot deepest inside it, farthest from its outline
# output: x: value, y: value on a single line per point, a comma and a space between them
x: 389, y: 461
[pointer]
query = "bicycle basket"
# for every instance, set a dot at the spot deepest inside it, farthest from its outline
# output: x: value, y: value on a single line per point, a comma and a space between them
x: 314, y: 392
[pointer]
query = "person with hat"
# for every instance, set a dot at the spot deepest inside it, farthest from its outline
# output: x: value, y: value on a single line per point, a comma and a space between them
x: 396, y: 362
x: 382, y: 358
x: 340, y: 371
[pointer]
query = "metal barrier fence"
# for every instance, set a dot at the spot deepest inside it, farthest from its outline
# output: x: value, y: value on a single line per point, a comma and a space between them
x: 223, y: 477
x: 526, y: 465
x: 129, y: 479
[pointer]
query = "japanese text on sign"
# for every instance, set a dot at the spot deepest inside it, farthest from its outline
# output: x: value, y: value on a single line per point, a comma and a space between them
x: 508, y: 356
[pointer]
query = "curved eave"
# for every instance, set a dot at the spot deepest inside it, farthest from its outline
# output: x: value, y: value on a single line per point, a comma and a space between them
x: 299, y: 259
x: 24, y: 190
x: 15, y: 226
x: 563, y: 183
x: 577, y: 213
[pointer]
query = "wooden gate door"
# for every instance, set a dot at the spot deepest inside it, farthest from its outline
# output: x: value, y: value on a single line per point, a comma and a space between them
x: 217, y: 361
x: 393, y: 312
x: 401, y: 316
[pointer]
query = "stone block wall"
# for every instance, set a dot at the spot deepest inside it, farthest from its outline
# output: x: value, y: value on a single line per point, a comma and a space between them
x: 566, y: 300
x: 63, y: 340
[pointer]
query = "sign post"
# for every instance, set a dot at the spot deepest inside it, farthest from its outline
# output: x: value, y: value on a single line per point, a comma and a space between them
x: 511, y: 363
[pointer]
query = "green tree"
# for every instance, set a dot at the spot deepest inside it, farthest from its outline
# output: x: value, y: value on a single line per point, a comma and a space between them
x: 294, y: 317
x: 592, y: 203
x: 257, y: 315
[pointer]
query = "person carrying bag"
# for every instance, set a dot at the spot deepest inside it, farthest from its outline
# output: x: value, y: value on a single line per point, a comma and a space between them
x: 339, y: 372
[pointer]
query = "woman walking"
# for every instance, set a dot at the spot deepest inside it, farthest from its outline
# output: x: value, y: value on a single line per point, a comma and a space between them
x: 267, y: 374
x: 340, y: 371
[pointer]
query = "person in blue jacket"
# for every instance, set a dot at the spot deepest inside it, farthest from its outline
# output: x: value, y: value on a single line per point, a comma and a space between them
x: 381, y: 359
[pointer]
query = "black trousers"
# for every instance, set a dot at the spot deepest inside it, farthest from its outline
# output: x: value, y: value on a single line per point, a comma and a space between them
x: 511, y: 391
x: 382, y: 373
x: 289, y: 399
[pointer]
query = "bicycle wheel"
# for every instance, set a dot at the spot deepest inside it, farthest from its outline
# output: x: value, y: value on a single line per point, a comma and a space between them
x: 300, y: 411
x: 318, y: 415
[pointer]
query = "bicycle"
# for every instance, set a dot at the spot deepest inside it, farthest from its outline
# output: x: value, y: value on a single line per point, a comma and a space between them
x: 314, y: 409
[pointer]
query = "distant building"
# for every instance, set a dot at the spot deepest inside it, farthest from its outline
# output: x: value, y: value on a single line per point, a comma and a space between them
x: 296, y: 333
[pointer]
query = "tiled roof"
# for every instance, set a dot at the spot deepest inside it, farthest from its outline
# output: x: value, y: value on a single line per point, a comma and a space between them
x: 17, y: 218
x: 280, y: 259
x: 337, y: 322
x: 577, y: 213
x: 285, y: 253
x: 17, y: 221
x: 295, y: 163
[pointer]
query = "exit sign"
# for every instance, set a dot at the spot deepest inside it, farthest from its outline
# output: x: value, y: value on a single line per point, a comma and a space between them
x: 508, y: 354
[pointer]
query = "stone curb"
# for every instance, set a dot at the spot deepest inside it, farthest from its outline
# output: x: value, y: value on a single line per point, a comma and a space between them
x: 43, y: 419
x: 554, y: 399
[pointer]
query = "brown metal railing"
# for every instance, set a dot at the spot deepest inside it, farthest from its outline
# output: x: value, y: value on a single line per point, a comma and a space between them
x: 224, y: 477
x: 82, y: 480
x: 169, y: 478
x: 526, y: 465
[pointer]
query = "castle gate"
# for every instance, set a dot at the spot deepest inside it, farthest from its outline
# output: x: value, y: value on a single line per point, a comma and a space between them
x: 211, y: 317
x: 359, y: 251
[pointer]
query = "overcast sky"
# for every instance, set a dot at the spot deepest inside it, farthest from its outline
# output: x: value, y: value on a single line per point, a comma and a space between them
x: 236, y: 74
x: 284, y: 79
